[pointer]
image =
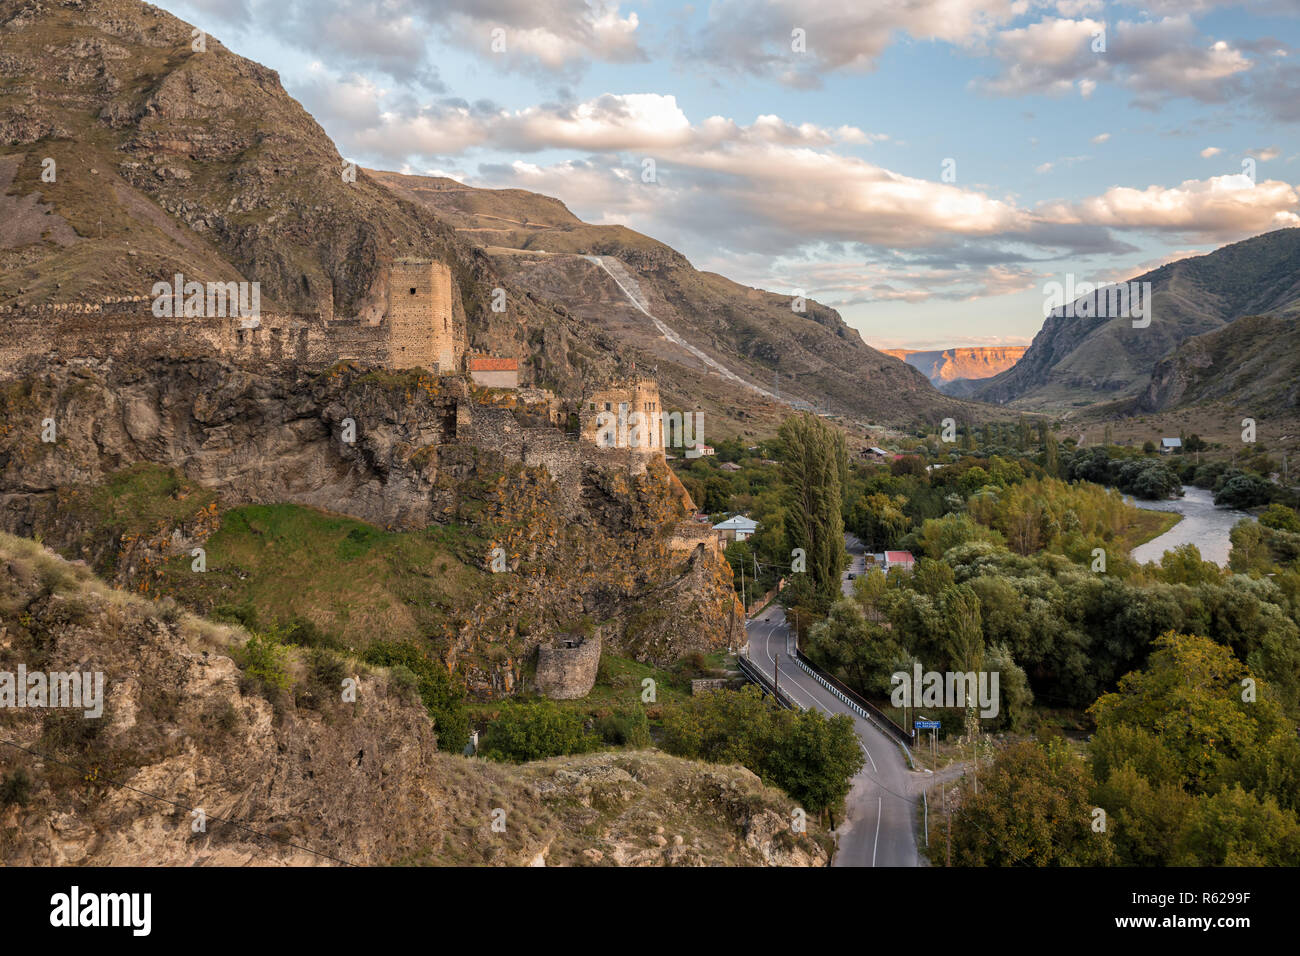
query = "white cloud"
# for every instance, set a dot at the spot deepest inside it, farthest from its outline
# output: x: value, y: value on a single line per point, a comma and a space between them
x: 1265, y: 154
x: 393, y: 36
x: 1222, y: 207
x: 754, y: 36
x: 1210, y: 151
x: 1100, y: 138
x: 1153, y: 58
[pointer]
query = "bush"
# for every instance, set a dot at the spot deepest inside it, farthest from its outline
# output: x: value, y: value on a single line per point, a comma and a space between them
x: 15, y: 789
x: 625, y: 728
x: 264, y: 662
x: 1280, y: 518
x: 534, y: 732
x: 444, y: 700
x: 1244, y: 491
x: 403, y: 683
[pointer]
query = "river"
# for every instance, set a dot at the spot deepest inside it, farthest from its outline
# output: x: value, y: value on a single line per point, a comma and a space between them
x: 1203, y: 525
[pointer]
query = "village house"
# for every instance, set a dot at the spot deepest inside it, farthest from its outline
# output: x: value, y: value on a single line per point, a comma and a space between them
x: 736, y: 528
x: 899, y: 559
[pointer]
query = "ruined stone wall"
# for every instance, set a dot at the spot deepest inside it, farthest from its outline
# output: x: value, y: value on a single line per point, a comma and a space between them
x: 130, y: 331
x: 418, y: 331
x: 568, y: 673
x: 689, y: 535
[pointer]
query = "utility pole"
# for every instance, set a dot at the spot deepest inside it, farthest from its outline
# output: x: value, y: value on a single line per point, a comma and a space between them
x: 947, y: 816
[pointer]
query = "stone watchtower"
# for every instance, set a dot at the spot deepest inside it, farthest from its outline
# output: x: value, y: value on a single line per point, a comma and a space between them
x: 421, y: 328
x: 623, y: 413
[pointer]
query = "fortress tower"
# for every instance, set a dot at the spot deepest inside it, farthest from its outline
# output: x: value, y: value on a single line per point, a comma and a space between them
x: 421, y: 328
x: 623, y: 413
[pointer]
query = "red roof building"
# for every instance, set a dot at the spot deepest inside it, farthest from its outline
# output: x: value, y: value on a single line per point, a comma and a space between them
x: 493, y: 371
x: 899, y: 559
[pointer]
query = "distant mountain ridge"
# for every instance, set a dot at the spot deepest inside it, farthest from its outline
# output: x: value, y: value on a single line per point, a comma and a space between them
x: 1074, y: 360
x: 964, y: 365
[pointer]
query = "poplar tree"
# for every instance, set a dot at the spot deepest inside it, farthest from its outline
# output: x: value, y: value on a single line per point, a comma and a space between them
x: 815, y: 470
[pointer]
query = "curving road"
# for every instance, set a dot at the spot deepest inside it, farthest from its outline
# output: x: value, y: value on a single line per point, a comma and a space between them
x: 879, y: 826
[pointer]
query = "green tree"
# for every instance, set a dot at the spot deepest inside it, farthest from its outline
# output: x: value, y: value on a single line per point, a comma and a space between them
x: 815, y: 759
x: 814, y: 469
x: 1186, y: 712
x: 1280, y: 518
x: 1183, y: 565
x: 963, y: 631
x: 1034, y: 807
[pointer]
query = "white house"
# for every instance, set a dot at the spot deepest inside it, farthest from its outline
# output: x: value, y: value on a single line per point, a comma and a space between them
x: 1168, y: 445
x: 736, y: 528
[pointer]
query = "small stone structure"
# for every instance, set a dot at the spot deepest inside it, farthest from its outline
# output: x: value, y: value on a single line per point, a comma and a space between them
x: 566, y: 668
x: 702, y: 685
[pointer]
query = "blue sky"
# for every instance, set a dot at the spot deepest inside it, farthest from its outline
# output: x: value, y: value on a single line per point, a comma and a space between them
x: 1098, y: 139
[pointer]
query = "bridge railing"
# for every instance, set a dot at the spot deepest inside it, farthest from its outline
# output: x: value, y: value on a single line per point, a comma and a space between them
x: 854, y: 701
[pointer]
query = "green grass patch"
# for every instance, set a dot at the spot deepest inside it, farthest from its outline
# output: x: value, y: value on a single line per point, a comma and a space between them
x: 283, y: 564
x: 145, y: 497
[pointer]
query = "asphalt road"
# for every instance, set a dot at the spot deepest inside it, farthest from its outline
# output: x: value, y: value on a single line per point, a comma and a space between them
x: 878, y: 829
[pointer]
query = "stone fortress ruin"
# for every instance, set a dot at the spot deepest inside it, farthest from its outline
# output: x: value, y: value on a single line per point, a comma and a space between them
x: 482, y: 402
x: 418, y: 329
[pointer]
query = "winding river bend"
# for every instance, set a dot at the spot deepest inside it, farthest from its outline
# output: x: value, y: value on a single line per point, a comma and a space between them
x: 1203, y: 525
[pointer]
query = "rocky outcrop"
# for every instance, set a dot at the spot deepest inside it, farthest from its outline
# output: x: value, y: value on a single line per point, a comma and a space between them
x: 301, y: 776
x: 582, y: 538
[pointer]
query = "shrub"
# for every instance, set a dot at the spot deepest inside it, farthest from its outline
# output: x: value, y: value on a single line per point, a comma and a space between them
x: 264, y: 662
x: 1243, y: 491
x: 625, y: 728
x: 16, y: 789
x: 403, y: 682
x: 534, y: 732
x: 444, y: 700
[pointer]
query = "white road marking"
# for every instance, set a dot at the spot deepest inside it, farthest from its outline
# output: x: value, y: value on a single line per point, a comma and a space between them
x: 877, y: 842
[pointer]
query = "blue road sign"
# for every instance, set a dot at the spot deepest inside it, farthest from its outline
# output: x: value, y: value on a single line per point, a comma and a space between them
x: 927, y: 725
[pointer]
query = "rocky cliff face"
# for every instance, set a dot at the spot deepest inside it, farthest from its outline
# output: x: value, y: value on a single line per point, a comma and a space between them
x: 581, y: 540
x: 302, y: 777
x: 948, y: 365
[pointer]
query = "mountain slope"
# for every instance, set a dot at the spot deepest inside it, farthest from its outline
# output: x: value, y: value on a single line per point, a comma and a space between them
x: 173, y: 160
x: 169, y: 160
x: 1081, y: 359
x: 811, y: 356
x: 1254, y: 364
